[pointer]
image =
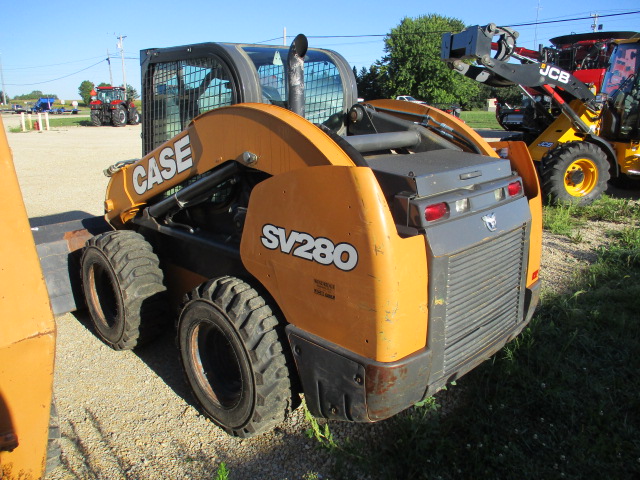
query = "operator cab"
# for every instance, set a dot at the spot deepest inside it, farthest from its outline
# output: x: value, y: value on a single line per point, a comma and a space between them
x: 180, y: 83
x: 108, y: 95
x: 621, y: 88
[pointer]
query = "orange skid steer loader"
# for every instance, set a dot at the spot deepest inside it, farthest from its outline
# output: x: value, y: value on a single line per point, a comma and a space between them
x: 362, y: 254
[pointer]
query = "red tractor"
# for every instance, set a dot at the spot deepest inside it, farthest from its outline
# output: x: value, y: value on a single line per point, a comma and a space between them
x: 110, y: 106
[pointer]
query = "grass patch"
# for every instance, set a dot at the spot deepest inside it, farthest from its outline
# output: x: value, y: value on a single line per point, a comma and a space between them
x: 560, y: 401
x: 561, y: 220
x: 480, y: 119
x: 69, y: 121
x: 56, y: 121
x: 568, y: 219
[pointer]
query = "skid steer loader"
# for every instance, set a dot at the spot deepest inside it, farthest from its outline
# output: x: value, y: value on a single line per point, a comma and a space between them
x: 300, y: 242
x: 594, y: 139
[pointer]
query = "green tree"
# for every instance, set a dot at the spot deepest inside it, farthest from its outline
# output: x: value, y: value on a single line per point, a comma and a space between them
x: 132, y: 93
x: 370, y: 83
x: 84, y: 90
x: 412, y: 65
x: 33, y: 95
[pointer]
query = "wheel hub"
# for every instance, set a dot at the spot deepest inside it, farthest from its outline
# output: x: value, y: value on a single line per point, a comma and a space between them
x: 581, y: 177
x: 576, y: 177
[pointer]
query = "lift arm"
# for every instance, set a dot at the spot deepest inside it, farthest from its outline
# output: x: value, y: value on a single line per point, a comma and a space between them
x: 475, y: 44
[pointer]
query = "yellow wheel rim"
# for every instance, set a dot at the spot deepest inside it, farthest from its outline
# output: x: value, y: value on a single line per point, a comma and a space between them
x: 581, y: 177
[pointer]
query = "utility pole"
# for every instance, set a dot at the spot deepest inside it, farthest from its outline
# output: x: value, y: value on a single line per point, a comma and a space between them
x: 284, y: 36
x: 110, y: 74
x: 124, y: 75
x: 4, y: 92
x: 595, y: 27
x: 535, y: 34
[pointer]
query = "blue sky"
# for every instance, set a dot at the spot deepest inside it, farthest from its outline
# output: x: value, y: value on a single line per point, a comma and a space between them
x: 40, y: 42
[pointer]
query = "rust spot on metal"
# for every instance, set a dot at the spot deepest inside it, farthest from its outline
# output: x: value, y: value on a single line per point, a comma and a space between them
x: 76, y: 239
x: 382, y: 380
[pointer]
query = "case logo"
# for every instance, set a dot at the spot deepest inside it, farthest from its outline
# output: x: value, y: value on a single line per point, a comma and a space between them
x: 172, y: 161
x: 303, y: 245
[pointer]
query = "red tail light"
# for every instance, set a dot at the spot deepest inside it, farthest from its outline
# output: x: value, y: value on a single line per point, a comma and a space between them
x: 514, y: 188
x: 435, y: 211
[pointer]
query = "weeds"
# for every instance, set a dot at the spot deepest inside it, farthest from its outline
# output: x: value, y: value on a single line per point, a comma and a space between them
x: 561, y: 219
x: 222, y: 473
x: 321, y: 433
x: 611, y: 210
x: 566, y: 219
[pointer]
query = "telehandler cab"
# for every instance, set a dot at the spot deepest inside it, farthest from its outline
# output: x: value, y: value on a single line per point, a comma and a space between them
x: 363, y: 254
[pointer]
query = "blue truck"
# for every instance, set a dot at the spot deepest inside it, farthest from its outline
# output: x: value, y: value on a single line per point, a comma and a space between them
x: 44, y: 104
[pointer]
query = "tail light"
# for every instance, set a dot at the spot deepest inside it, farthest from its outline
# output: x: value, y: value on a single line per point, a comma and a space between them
x: 435, y: 211
x: 514, y: 188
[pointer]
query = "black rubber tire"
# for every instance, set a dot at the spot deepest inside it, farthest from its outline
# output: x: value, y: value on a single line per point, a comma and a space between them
x: 236, y: 357
x: 565, y: 163
x: 134, y: 117
x: 95, y: 118
x: 119, y: 116
x: 123, y: 288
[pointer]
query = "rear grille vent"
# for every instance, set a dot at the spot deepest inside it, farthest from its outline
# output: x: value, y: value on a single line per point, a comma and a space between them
x: 483, y: 296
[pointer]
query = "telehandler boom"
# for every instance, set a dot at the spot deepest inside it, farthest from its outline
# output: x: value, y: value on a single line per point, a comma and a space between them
x: 363, y: 254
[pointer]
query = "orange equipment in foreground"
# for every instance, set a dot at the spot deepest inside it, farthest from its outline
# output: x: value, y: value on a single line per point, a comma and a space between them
x: 27, y: 338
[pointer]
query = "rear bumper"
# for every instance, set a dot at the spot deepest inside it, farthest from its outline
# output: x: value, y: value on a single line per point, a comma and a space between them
x: 341, y: 385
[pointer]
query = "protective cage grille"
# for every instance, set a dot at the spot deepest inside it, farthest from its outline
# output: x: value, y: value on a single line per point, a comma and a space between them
x: 179, y: 91
x: 323, y: 95
x: 483, y: 296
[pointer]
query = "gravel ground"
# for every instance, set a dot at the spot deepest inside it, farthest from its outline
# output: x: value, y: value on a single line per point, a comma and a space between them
x: 129, y: 415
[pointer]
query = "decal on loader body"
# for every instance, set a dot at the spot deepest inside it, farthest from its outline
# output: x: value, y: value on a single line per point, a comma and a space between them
x: 321, y: 250
x: 554, y: 73
x: 172, y: 161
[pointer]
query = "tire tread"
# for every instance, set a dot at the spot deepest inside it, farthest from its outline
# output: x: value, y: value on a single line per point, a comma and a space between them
x: 552, y: 175
x: 264, y: 340
x: 141, y: 285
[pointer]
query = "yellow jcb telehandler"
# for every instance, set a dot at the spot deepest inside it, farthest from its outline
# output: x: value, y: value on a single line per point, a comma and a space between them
x: 596, y: 138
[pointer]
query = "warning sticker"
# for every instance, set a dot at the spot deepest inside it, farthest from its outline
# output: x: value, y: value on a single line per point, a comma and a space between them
x: 324, y: 289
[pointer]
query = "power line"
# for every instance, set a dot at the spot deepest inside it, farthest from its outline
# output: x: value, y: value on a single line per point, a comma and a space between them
x: 54, y: 79
x: 269, y: 40
x: 545, y: 22
x: 447, y: 31
x: 55, y: 64
x: 571, y: 19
